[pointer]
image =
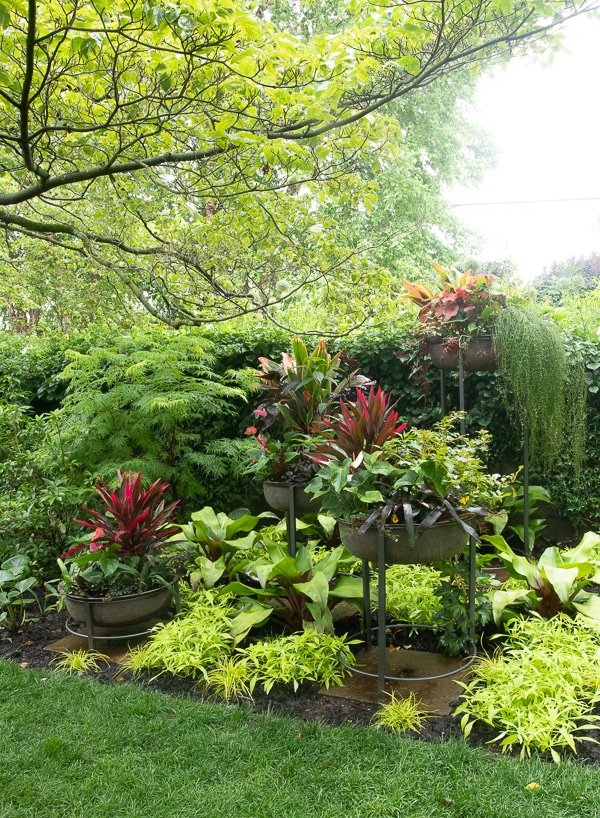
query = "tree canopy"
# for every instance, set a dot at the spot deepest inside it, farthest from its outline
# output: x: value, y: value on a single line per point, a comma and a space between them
x: 183, y: 146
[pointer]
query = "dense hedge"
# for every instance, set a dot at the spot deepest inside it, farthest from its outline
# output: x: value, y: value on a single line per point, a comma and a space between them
x: 30, y: 370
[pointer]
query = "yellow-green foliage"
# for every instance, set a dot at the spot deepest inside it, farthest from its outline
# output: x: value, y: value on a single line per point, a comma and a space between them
x: 193, y: 644
x: 304, y: 656
x: 541, y: 690
x: 79, y: 661
x: 401, y: 714
x: 410, y: 593
x: 198, y: 644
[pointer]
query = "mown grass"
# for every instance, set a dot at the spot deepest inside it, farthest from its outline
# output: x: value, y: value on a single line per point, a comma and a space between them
x: 73, y: 748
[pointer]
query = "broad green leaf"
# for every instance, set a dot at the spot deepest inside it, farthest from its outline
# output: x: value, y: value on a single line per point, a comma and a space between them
x: 502, y: 599
x: 254, y: 617
x: 410, y: 64
x: 562, y: 580
x: 589, y: 607
x: 316, y: 589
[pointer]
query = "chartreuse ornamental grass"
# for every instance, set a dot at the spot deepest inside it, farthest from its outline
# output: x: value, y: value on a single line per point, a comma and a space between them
x: 73, y: 748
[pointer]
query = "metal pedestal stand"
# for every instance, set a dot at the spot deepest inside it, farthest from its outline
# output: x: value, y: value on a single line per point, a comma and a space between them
x: 290, y: 523
x: 381, y: 623
x: 461, y: 406
x: 92, y: 635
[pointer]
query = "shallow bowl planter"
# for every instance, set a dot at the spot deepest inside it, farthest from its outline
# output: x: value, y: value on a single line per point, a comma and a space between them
x: 122, y: 611
x: 277, y: 496
x: 439, y: 542
x: 478, y: 354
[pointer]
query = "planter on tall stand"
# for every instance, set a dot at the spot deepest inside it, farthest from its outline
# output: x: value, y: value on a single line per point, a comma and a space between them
x: 290, y: 499
x: 392, y: 546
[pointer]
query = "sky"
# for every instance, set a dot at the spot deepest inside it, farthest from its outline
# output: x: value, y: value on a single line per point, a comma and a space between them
x: 545, y: 122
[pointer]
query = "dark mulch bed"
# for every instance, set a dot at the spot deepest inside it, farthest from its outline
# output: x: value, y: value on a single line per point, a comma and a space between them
x: 26, y: 647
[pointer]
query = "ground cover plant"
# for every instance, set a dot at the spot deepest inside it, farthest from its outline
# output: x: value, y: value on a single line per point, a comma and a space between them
x: 541, y: 690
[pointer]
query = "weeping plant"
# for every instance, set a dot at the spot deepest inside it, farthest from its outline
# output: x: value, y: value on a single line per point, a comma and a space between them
x: 544, y: 391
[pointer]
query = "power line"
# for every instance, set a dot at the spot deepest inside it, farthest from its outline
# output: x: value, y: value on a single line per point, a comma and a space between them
x: 526, y: 201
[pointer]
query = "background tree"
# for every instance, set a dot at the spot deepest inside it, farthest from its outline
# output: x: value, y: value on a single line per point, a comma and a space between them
x: 193, y: 125
x: 565, y: 279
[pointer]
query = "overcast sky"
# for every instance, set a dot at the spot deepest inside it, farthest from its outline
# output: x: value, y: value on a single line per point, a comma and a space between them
x: 545, y: 122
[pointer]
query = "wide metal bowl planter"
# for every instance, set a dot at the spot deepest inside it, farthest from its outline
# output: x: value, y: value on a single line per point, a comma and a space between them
x: 478, y: 354
x: 277, y: 496
x: 122, y: 611
x: 439, y: 542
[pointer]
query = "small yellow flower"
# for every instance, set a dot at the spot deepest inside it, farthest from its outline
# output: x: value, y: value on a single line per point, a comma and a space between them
x: 464, y: 500
x: 533, y: 786
x: 395, y: 518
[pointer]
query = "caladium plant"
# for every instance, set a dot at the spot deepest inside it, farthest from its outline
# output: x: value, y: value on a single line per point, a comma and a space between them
x: 464, y: 305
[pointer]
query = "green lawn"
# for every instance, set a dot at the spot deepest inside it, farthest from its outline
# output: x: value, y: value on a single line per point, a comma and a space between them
x: 77, y: 749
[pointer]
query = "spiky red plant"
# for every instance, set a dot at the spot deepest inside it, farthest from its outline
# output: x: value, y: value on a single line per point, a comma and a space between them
x: 360, y: 427
x: 133, y: 517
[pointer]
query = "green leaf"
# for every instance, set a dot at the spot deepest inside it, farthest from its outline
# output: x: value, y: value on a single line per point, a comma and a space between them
x: 562, y: 580
x: 410, y: 64
x: 502, y: 599
x: 316, y: 589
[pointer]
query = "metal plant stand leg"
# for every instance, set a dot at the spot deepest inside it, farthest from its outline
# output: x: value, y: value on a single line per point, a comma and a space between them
x: 381, y: 610
x: 366, y: 578
x: 290, y: 523
x: 443, y: 392
x: 526, y: 487
x: 382, y: 628
x: 461, y: 391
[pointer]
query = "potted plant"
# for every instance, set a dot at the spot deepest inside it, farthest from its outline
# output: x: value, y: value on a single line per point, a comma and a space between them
x: 543, y: 384
x: 459, y: 316
x: 423, y: 488
x: 123, y: 576
x: 296, y: 395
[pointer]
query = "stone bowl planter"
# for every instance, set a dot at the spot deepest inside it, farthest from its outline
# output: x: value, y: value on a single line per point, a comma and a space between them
x: 277, y: 496
x: 439, y: 542
x: 478, y: 354
x: 122, y: 612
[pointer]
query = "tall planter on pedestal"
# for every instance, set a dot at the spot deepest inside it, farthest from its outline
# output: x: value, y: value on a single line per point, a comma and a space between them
x: 296, y: 396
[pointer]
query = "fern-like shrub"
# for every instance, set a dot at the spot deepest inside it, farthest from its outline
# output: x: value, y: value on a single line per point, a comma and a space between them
x: 151, y: 402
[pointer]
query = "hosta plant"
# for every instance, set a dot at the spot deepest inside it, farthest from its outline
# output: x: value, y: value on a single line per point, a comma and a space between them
x: 126, y: 551
x: 554, y: 584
